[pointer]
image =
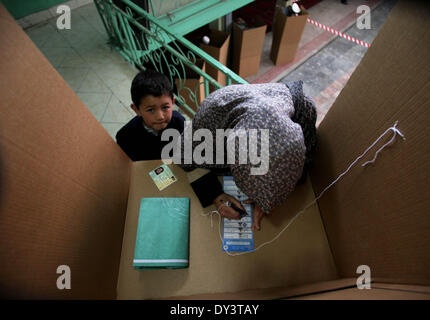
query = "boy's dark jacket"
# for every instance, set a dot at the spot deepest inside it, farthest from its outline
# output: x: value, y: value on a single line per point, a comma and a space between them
x: 139, y: 144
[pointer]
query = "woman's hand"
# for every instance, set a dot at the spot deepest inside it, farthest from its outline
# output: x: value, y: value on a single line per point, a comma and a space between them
x: 222, y: 204
x: 258, y: 215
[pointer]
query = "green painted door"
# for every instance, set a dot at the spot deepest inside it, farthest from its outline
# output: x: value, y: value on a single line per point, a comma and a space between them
x: 22, y: 8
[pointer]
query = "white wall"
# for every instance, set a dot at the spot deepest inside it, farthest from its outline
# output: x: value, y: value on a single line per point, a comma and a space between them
x: 163, y: 6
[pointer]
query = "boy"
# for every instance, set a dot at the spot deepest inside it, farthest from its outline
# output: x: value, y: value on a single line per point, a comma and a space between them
x: 153, y: 100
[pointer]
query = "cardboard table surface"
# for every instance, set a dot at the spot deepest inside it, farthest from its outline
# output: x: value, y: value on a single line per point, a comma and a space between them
x: 300, y: 255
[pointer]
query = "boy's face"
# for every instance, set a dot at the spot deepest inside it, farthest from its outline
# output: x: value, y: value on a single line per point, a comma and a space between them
x: 155, y: 111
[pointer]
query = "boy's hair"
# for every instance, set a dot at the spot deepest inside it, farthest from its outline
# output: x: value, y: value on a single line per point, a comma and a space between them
x: 149, y: 82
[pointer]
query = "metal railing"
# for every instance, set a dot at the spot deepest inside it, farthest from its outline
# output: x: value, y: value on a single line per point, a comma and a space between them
x: 147, y: 44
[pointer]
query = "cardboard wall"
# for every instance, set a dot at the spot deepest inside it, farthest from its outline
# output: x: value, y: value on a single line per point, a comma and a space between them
x: 378, y: 215
x: 276, y: 292
x: 339, y: 289
x: 378, y: 291
x: 64, y: 181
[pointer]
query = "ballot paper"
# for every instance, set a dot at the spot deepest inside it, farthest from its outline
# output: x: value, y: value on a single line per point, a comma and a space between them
x: 237, y: 234
x: 162, y: 176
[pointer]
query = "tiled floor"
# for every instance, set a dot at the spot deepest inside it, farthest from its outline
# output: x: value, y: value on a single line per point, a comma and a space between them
x: 98, y: 74
x: 101, y: 77
x: 326, y: 73
x: 329, y: 12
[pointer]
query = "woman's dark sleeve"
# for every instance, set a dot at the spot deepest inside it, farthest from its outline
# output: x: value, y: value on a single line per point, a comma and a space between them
x: 205, y: 184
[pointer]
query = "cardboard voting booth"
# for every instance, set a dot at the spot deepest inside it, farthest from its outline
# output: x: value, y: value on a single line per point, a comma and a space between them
x: 218, y: 49
x: 287, y: 32
x: 192, y: 88
x: 247, y: 48
x: 70, y: 197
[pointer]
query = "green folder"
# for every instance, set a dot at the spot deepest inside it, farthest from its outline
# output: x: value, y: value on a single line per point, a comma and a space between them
x: 162, y: 233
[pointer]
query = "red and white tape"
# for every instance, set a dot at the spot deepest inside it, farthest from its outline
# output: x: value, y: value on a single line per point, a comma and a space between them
x: 338, y: 33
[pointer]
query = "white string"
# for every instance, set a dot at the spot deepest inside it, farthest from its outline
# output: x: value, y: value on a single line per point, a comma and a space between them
x: 395, y: 131
x: 219, y: 224
x: 211, y: 213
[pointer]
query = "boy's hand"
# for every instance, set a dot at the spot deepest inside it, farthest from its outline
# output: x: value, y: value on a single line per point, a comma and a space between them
x: 258, y: 215
x: 222, y: 204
